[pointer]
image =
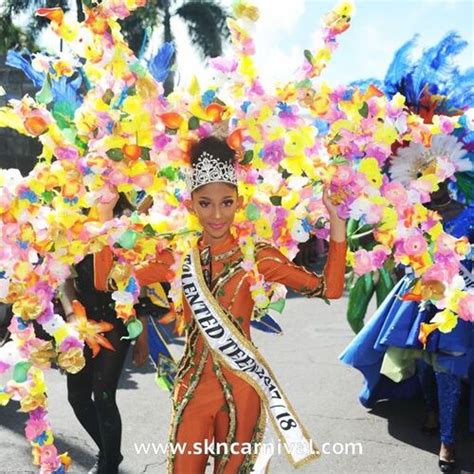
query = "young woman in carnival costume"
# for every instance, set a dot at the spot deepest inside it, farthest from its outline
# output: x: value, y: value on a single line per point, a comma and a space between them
x: 398, y: 341
x: 224, y: 389
x: 92, y: 391
x: 398, y: 333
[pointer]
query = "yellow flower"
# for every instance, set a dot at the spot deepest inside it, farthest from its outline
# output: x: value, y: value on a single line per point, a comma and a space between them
x: 385, y: 134
x: 65, y: 460
x: 28, y: 307
x: 263, y: 229
x: 290, y: 200
x: 371, y: 169
x: 389, y: 220
x: 72, y: 360
x: 60, y: 334
x: 345, y: 9
x: 42, y: 354
x: 4, y: 398
x: 30, y: 402
x: 446, y: 319
x: 462, y: 246
x: 436, y: 231
x: 247, y: 67
x: 452, y: 301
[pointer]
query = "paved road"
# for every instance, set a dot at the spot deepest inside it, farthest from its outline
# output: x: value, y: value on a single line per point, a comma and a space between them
x: 388, y: 436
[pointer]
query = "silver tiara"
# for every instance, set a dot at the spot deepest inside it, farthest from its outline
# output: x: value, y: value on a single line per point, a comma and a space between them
x: 210, y: 170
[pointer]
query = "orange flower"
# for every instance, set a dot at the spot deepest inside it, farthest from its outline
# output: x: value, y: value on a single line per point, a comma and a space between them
x: 178, y: 317
x: 425, y: 330
x: 35, y: 125
x: 90, y: 330
x: 171, y: 120
x: 234, y: 140
x: 56, y: 14
x: 132, y: 152
x: 214, y: 112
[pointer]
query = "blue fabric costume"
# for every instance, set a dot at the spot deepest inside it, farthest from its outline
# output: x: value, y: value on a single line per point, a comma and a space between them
x: 396, y: 323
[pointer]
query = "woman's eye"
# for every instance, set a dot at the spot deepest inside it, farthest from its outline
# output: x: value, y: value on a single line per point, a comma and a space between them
x: 228, y: 203
x: 204, y: 204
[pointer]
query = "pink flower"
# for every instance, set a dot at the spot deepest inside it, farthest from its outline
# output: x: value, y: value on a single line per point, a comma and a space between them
x: 273, y: 152
x: 69, y: 343
x: 66, y: 153
x: 379, y: 253
x: 436, y: 272
x: 160, y: 142
x: 466, y: 308
x: 415, y: 244
x: 395, y: 193
x: 363, y: 262
x: 445, y: 244
x: 343, y: 176
x: 49, y: 457
x: 34, y: 427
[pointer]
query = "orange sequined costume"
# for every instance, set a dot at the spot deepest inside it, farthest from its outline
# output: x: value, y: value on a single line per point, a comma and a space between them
x: 211, y: 402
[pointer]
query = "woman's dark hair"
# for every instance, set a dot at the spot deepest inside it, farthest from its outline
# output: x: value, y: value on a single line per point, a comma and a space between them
x: 123, y: 206
x: 216, y: 147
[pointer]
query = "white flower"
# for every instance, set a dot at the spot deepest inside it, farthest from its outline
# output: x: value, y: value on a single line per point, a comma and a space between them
x: 445, y: 150
x: 122, y: 297
x: 298, y: 232
x: 53, y: 324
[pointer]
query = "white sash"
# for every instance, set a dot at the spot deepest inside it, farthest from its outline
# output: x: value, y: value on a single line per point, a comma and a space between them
x: 240, y: 355
x: 467, y: 276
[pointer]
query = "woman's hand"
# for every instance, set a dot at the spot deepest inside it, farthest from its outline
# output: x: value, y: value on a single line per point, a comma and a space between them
x: 105, y: 207
x: 140, y: 348
x: 338, y: 225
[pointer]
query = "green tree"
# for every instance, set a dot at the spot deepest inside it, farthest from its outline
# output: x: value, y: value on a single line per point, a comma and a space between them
x: 12, y: 36
x: 204, y: 19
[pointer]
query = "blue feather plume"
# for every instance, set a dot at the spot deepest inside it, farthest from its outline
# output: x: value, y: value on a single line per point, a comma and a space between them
x: 399, y: 68
x: 159, y: 65
x: 22, y: 61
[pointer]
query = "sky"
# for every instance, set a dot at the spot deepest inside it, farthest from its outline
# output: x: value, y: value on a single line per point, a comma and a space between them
x: 379, y: 28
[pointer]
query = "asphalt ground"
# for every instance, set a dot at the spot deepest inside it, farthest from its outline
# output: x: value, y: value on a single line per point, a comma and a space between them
x: 323, y: 392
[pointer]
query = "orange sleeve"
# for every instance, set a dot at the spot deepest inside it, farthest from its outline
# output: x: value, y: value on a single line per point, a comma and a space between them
x: 275, y: 267
x: 152, y: 272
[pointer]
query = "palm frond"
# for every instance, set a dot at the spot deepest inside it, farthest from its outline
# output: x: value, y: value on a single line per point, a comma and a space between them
x: 206, y: 23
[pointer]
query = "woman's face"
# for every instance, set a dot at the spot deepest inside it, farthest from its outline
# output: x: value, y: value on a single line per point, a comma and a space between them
x: 215, y: 205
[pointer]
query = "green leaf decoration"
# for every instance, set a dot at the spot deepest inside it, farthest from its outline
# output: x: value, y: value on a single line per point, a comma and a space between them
x: 148, y: 230
x: 278, y: 305
x: 275, y: 200
x: 134, y: 329
x: 145, y: 153
x: 45, y: 95
x: 364, y: 110
x: 20, y: 371
x: 115, y: 154
x: 193, y: 123
x: 248, y: 157
x: 168, y: 172
x: 128, y: 239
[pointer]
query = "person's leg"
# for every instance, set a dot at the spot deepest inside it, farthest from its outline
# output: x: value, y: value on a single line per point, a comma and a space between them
x: 247, y: 410
x: 107, y: 369
x: 449, y: 394
x: 195, y: 430
x: 79, y: 392
x: 427, y: 380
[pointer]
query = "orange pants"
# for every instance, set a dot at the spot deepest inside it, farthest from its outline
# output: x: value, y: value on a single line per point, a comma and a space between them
x: 205, y: 418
